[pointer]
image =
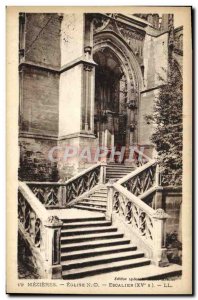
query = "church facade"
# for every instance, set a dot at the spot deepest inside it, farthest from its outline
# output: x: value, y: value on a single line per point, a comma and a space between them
x: 89, y: 80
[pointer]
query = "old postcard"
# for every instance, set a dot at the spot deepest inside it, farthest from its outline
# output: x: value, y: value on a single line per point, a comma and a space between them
x: 99, y: 124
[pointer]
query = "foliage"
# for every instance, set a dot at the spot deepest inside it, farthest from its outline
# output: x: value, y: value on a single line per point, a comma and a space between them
x: 167, y: 135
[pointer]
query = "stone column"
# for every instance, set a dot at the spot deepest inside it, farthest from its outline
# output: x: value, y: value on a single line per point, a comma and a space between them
x: 160, y: 252
x: 109, y: 210
x: 76, y: 91
x: 158, y: 199
x: 52, y: 248
x: 88, y: 98
x: 103, y: 173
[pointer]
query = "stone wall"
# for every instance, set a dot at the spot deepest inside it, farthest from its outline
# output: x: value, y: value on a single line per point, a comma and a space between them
x: 172, y: 199
x: 34, y: 161
x: 72, y: 166
x: 39, y: 96
x: 39, y: 101
x: 42, y: 39
x: 155, y: 54
x: 172, y: 203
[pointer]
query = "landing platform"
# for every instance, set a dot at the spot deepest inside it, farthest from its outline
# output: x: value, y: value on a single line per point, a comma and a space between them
x: 150, y: 272
x: 74, y: 213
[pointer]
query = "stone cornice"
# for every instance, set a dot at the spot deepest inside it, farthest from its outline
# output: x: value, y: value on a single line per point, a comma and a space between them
x: 180, y: 28
x: 64, y: 68
x: 77, y: 61
x: 34, y: 65
x: 34, y: 135
x: 128, y: 20
x: 154, y: 32
x: 151, y: 89
x: 76, y: 134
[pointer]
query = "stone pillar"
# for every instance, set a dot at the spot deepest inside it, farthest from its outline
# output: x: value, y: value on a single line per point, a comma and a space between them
x: 158, y: 199
x: 76, y: 99
x: 88, y: 98
x: 109, y: 210
x: 52, y: 248
x: 160, y: 252
x: 103, y: 173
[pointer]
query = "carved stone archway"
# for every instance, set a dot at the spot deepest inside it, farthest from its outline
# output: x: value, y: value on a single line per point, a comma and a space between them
x: 110, y: 39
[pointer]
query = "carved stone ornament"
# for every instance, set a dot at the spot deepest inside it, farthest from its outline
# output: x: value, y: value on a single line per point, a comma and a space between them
x: 132, y: 126
x: 53, y: 221
x: 132, y: 104
x: 133, y: 37
x: 88, y: 49
x: 88, y: 68
x: 111, y: 181
x: 160, y: 214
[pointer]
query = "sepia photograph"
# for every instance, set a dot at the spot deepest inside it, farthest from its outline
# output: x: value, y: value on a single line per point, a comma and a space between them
x: 100, y: 150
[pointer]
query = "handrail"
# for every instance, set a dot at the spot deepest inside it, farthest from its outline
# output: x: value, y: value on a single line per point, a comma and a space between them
x: 149, y: 192
x: 61, y: 194
x: 69, y: 180
x: 36, y: 205
x: 124, y: 199
x: 144, y: 155
x: 41, y: 230
x: 83, y: 172
x: 149, y: 210
x: 137, y: 171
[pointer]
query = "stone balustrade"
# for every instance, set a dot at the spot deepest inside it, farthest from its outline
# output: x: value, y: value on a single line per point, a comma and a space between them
x: 41, y: 231
x: 125, y: 202
x: 62, y: 194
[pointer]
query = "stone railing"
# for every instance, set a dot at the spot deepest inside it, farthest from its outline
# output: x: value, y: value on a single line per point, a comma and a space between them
x: 139, y: 158
x: 58, y: 195
x: 41, y: 231
x: 140, y: 219
x: 142, y: 179
x: 127, y: 200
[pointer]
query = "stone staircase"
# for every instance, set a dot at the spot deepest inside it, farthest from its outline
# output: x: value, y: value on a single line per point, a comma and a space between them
x: 91, y: 246
x: 117, y: 171
x: 98, y: 200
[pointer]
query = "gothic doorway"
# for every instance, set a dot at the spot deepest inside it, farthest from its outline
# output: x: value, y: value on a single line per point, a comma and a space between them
x: 110, y: 116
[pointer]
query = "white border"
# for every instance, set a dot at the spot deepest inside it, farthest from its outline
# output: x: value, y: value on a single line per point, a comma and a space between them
x: 5, y: 3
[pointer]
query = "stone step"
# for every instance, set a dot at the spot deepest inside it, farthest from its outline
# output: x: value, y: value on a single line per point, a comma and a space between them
x: 120, y: 168
x: 124, y: 169
x: 115, y: 176
x: 117, y: 172
x: 97, y: 251
x: 105, y: 268
x: 104, y: 200
x: 97, y: 195
x: 83, y: 224
x: 100, y: 260
x: 89, y: 208
x: 75, y: 220
x: 93, y: 244
x: 93, y: 203
x: 90, y: 230
x: 102, y: 193
x: 90, y: 237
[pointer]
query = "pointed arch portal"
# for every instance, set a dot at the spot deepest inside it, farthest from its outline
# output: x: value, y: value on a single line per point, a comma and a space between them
x: 118, y: 82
